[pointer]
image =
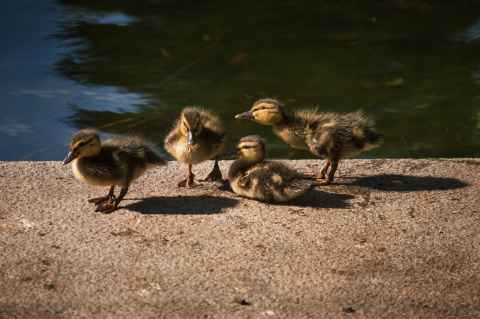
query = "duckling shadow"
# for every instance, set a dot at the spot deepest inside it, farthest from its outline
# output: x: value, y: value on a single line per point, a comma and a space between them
x: 321, y: 199
x: 406, y: 183
x: 182, y: 205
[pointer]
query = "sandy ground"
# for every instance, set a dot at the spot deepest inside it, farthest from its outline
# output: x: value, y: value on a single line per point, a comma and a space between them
x: 391, y: 239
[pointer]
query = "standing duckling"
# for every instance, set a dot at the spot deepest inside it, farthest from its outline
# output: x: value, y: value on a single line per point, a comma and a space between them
x: 327, y: 135
x: 252, y: 177
x: 115, y: 162
x: 197, y: 136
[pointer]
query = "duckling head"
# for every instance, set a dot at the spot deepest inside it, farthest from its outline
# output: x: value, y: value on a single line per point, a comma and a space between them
x: 85, y: 143
x: 251, y: 148
x: 265, y: 112
x: 190, y: 125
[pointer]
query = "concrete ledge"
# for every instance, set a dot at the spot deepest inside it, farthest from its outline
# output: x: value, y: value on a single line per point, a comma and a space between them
x: 392, y: 239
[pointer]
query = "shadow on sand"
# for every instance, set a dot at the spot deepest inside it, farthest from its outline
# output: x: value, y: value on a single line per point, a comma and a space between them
x: 313, y: 198
x: 406, y: 183
x: 182, y: 205
x: 322, y: 199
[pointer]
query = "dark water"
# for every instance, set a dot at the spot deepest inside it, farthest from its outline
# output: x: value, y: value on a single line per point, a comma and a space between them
x: 130, y: 66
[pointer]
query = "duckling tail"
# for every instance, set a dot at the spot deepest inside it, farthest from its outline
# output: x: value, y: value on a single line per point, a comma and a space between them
x: 373, y: 137
x: 297, y: 187
x: 366, y: 138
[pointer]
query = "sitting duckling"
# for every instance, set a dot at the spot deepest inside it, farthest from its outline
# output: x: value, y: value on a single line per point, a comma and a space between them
x: 114, y: 162
x: 197, y: 136
x: 350, y: 133
x: 250, y: 176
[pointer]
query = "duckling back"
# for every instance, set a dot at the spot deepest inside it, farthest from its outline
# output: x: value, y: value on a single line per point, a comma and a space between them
x: 268, y: 182
x: 293, y: 130
x: 338, y: 135
x: 140, y: 152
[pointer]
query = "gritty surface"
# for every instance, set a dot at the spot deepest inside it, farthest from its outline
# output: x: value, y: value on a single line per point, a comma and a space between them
x: 391, y: 239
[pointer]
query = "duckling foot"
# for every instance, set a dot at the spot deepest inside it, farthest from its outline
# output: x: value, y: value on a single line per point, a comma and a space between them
x: 215, y: 175
x: 106, y: 207
x: 100, y: 200
x: 313, y: 176
x: 109, y: 197
x: 188, y: 182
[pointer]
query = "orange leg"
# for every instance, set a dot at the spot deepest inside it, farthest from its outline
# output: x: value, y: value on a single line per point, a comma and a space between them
x: 190, y: 180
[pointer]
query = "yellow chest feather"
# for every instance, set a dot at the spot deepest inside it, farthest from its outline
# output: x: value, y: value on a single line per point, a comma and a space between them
x: 76, y: 172
x: 82, y: 177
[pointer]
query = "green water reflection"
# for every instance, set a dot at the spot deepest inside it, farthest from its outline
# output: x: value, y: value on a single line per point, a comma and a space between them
x: 413, y: 65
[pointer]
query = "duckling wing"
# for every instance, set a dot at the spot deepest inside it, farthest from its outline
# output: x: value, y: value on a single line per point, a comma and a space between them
x: 102, y: 169
x: 212, y: 122
x: 212, y: 137
x: 172, y: 141
x: 134, y: 150
x: 308, y: 120
x: 210, y: 144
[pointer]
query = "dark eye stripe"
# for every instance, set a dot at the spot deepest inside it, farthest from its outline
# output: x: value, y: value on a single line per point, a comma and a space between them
x: 247, y: 146
x: 82, y: 143
x: 265, y: 108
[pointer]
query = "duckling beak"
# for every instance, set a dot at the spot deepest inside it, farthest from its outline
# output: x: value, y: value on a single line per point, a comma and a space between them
x: 190, y: 140
x: 245, y: 116
x: 70, y: 157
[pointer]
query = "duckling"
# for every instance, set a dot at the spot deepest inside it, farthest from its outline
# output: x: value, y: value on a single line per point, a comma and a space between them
x: 252, y: 177
x: 197, y: 136
x: 334, y: 136
x: 351, y: 133
x: 114, y: 162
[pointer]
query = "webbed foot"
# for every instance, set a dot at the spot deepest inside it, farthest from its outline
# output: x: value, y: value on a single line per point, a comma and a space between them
x: 215, y: 175
x: 106, y: 207
x: 99, y: 200
x: 313, y: 176
x: 188, y: 182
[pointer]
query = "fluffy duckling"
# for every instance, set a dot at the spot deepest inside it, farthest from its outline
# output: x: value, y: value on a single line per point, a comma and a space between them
x: 250, y: 176
x: 114, y: 162
x: 343, y: 134
x: 197, y: 136
x: 334, y: 136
